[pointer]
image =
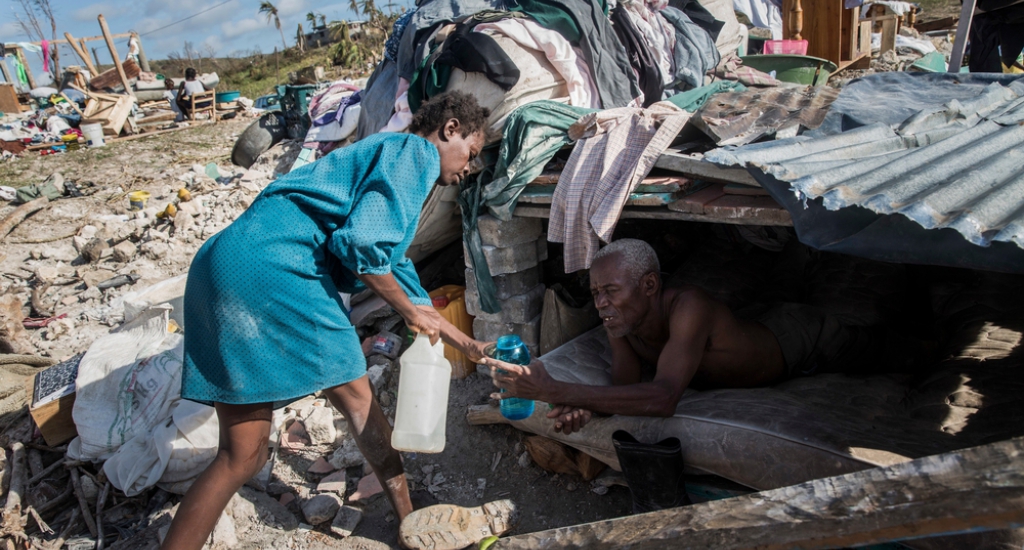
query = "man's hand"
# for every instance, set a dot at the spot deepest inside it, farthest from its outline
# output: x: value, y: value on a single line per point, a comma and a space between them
x: 425, y: 320
x: 528, y: 382
x: 569, y: 419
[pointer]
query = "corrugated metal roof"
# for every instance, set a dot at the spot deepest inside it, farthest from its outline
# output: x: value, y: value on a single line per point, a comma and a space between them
x: 959, y: 165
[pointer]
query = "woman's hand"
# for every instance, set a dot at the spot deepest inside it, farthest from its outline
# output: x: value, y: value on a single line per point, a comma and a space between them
x: 424, y: 320
x: 476, y: 350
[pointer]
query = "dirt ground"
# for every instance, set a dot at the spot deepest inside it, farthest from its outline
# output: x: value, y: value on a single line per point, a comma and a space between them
x: 479, y: 464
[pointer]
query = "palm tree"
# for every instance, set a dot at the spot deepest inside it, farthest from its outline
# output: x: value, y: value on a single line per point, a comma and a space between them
x: 270, y: 11
x: 369, y: 8
x: 354, y: 6
x: 323, y: 20
x: 300, y: 39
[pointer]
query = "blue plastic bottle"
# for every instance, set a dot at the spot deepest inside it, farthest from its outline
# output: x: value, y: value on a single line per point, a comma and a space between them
x: 511, y: 349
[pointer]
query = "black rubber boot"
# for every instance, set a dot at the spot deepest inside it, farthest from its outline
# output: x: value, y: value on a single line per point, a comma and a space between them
x: 654, y: 472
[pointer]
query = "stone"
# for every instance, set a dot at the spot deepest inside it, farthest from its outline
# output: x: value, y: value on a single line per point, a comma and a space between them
x: 517, y: 309
x: 321, y: 508
x: 507, y: 286
x: 286, y: 499
x: 368, y: 486
x: 182, y: 223
x: 46, y: 273
x: 502, y: 261
x: 124, y: 251
x: 334, y: 483
x: 320, y: 426
x: 241, y: 509
x: 378, y: 377
x: 89, y: 489
x: 95, y: 277
x: 87, y: 232
x: 155, y: 250
x: 93, y: 250
x: 321, y: 466
x: 494, y: 232
x: 346, y: 520
x: 489, y: 332
x: 92, y: 293
x: 268, y: 505
x: 223, y: 535
x: 346, y: 456
x: 69, y: 300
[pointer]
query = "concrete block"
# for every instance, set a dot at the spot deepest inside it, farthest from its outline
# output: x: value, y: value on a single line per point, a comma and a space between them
x: 503, y: 261
x: 542, y: 248
x: 517, y: 309
x: 509, y: 285
x: 489, y: 332
x: 494, y: 232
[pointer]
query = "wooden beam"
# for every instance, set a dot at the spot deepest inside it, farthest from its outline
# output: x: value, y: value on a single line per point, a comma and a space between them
x: 694, y: 166
x: 972, y: 490
x: 81, y: 54
x: 87, y: 39
x: 28, y: 70
x: 143, y: 61
x: 113, y: 54
x: 7, y: 75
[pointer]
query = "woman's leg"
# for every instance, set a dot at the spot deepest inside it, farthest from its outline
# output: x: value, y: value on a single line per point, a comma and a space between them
x: 372, y: 432
x: 244, y: 435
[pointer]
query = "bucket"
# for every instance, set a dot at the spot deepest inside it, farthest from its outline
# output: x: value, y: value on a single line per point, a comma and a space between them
x: 93, y: 133
x: 798, y: 69
x: 137, y: 200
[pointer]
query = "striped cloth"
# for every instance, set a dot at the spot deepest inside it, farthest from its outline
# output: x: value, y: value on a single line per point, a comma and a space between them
x: 615, y: 150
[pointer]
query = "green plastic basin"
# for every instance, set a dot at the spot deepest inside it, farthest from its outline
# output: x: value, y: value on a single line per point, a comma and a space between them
x: 798, y: 69
x: 225, y: 97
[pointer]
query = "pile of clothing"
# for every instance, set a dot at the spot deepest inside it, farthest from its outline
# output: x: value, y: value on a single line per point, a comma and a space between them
x: 584, y: 53
x: 334, y: 113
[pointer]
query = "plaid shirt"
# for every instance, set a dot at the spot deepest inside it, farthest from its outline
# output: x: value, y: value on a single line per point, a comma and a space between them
x: 616, y: 149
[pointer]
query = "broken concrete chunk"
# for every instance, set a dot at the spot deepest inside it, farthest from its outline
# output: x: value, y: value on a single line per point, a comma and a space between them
x: 378, y: 377
x: 93, y: 250
x: 155, y: 250
x: 517, y: 309
x: 334, y: 483
x: 502, y: 261
x: 46, y: 273
x: 239, y: 508
x: 321, y: 466
x: 124, y: 252
x: 321, y: 508
x: 266, y: 504
x: 346, y: 520
x: 320, y: 426
x: 509, y: 285
x: 223, y: 535
x: 346, y: 456
x: 95, y: 277
x: 489, y: 332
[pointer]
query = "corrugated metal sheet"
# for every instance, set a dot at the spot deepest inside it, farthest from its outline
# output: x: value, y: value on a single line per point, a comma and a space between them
x: 959, y: 165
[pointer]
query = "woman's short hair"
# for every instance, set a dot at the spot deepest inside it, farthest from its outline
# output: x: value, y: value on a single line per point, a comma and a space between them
x: 461, y: 106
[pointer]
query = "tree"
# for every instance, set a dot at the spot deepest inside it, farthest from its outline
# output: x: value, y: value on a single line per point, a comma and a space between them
x: 311, y: 17
x: 300, y: 39
x: 354, y: 6
x: 270, y: 10
x: 30, y: 25
x: 323, y: 21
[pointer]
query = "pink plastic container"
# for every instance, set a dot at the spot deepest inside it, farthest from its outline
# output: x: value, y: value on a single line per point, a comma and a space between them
x: 792, y: 47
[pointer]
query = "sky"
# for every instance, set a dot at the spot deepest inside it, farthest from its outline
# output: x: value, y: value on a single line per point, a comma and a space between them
x: 233, y: 28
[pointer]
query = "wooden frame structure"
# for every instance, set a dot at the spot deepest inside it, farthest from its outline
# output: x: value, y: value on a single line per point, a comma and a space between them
x: 972, y: 490
x: 832, y: 31
x: 203, y: 102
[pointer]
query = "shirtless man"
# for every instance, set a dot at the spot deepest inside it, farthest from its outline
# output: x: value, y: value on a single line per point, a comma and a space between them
x: 688, y: 336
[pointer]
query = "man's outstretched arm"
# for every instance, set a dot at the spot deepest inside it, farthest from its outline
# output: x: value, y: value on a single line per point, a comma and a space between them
x: 678, y: 363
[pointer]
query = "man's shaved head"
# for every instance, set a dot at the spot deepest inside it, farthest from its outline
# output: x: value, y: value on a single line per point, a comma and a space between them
x: 636, y: 258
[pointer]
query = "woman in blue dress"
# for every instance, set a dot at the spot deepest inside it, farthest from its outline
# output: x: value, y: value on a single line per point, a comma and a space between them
x: 266, y: 324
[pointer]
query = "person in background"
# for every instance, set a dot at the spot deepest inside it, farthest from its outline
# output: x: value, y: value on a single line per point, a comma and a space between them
x: 267, y: 324
x: 172, y: 97
x: 188, y: 87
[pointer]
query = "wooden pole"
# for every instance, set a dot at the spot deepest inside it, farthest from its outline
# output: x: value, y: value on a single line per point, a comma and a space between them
x: 81, y: 54
x: 143, y: 61
x: 96, y: 58
x: 28, y: 71
x: 7, y: 75
x: 956, y: 58
x: 113, y: 55
x: 972, y: 490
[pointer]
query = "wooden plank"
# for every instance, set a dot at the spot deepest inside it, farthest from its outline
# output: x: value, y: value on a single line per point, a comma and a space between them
x: 694, y: 203
x: 937, y: 24
x: 764, y: 210
x: 972, y: 490
x: 956, y: 58
x: 694, y: 166
x: 661, y: 213
x: 9, y: 99
x: 81, y: 54
x: 24, y: 64
x: 113, y: 55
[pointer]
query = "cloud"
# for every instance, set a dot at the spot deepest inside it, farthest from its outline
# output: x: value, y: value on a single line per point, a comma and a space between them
x: 87, y: 14
x: 291, y: 7
x: 213, y: 42
x: 11, y: 32
x: 232, y: 29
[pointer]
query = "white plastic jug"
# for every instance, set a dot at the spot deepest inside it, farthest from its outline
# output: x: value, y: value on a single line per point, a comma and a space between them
x: 422, y: 407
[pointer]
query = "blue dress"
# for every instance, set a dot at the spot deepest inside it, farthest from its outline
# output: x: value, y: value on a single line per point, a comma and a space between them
x: 264, y: 321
